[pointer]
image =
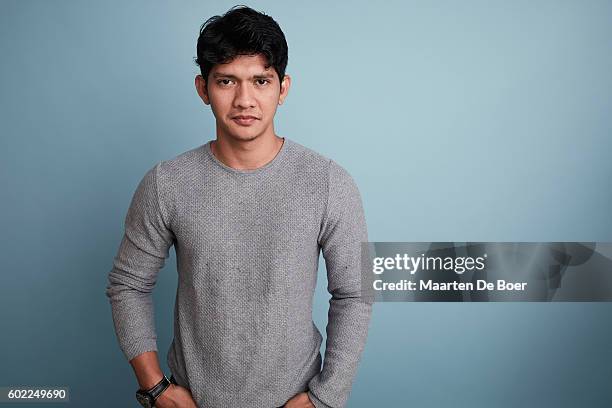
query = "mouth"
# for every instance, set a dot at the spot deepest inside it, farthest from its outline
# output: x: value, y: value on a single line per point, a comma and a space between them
x: 244, y: 120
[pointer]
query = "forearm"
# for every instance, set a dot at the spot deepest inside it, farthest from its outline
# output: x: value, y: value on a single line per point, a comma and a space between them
x: 147, y: 369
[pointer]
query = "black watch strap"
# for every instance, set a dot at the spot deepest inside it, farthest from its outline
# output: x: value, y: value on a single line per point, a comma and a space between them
x: 147, y: 398
x: 159, y: 388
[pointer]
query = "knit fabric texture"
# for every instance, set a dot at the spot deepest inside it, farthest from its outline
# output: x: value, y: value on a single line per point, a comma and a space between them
x: 247, y: 248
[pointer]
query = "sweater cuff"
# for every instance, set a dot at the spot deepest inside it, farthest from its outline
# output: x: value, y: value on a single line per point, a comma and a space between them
x: 134, y: 350
x: 317, y: 402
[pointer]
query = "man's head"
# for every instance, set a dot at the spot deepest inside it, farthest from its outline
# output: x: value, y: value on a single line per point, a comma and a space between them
x: 242, y: 57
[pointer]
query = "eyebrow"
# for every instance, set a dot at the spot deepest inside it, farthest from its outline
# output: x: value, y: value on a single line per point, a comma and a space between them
x: 260, y: 76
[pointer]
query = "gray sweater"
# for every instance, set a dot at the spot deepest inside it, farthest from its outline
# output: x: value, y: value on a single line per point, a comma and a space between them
x: 247, y: 248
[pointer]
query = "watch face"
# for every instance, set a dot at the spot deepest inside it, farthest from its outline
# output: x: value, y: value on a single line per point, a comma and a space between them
x: 144, y: 400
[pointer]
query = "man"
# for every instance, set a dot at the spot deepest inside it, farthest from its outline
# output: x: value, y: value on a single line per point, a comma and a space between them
x: 248, y: 215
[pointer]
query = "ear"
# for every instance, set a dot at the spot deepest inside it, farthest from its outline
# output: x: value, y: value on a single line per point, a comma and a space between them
x: 285, y: 84
x: 200, y: 85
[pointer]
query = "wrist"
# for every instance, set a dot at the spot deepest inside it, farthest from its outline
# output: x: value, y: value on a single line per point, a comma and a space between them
x: 150, y: 382
x: 148, y: 397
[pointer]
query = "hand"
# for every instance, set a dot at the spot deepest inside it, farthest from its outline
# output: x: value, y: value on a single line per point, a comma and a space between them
x: 175, y: 396
x: 300, y: 400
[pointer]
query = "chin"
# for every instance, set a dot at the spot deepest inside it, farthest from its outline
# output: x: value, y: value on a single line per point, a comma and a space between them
x: 244, y: 134
x: 246, y: 138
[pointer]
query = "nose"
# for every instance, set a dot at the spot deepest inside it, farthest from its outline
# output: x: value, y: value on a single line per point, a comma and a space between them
x: 244, y: 97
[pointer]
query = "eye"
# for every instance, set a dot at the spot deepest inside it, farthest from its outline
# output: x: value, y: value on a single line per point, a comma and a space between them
x: 262, y: 81
x: 224, y: 82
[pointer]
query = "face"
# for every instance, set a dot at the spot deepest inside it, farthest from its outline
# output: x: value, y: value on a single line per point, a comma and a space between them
x: 243, y: 96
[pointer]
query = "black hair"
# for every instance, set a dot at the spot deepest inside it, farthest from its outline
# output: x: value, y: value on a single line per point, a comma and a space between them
x: 241, y: 31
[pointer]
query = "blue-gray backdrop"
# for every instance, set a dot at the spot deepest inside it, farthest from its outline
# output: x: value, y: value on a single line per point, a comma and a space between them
x: 474, y: 120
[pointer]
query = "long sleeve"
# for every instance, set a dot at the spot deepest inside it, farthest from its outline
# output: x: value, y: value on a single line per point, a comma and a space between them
x: 343, y: 229
x: 142, y: 253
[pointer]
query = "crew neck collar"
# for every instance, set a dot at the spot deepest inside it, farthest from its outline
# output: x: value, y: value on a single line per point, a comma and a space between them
x: 277, y: 159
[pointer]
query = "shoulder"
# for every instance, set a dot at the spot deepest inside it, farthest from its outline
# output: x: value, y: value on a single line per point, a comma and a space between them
x: 183, y: 163
x: 304, y: 157
x: 328, y: 169
x: 307, y: 158
x: 178, y: 170
x: 174, y: 175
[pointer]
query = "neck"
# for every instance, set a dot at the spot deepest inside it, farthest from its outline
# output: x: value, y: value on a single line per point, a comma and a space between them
x: 246, y: 154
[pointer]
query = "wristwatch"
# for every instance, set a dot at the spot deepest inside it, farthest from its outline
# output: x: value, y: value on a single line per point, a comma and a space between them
x: 147, y: 398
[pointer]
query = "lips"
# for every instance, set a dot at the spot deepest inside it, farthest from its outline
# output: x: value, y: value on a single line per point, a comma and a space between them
x: 244, y: 120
